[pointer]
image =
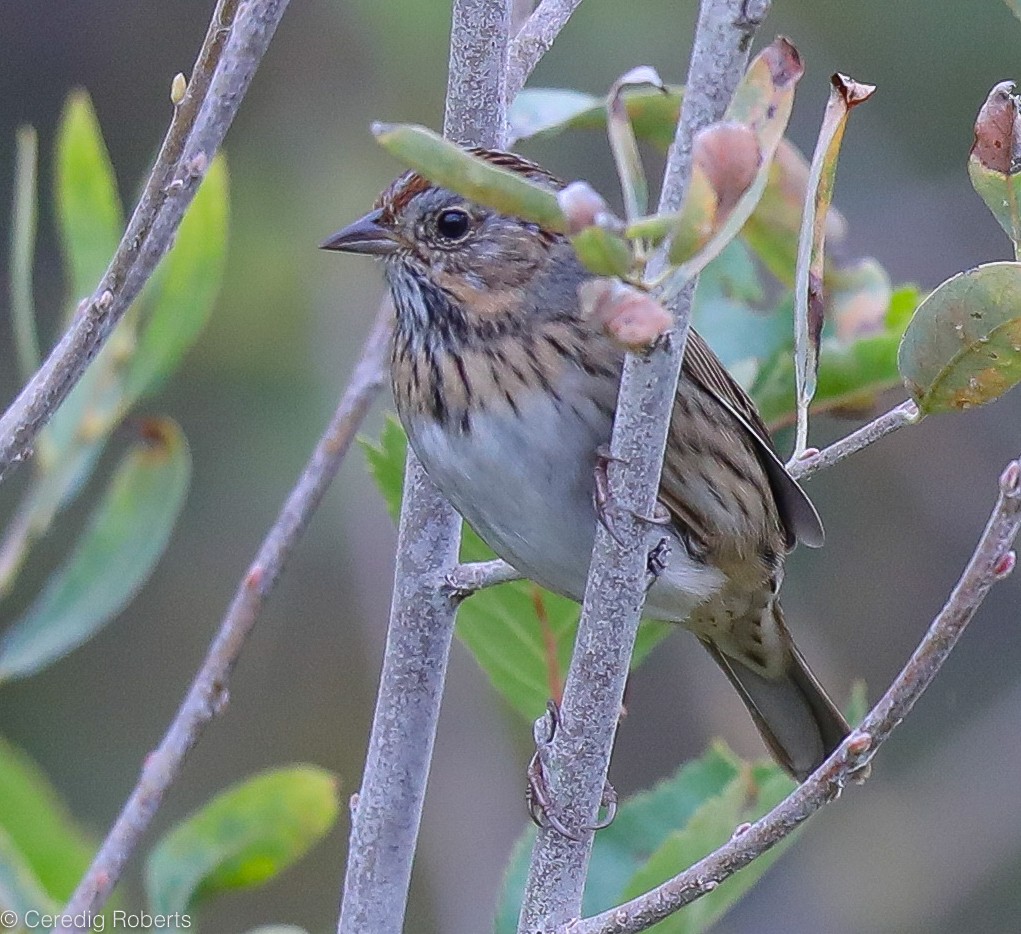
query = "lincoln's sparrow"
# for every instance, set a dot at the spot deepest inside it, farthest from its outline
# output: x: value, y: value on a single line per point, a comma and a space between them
x: 507, y: 392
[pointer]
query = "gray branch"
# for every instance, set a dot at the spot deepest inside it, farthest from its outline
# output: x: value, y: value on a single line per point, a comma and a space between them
x: 577, y: 757
x: 991, y: 562
x: 534, y: 40
x: 813, y: 461
x: 466, y: 579
x: 387, y: 811
x: 237, y: 39
x: 208, y: 694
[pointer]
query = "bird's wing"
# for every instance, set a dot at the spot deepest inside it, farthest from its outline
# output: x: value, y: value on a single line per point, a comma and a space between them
x: 796, y: 510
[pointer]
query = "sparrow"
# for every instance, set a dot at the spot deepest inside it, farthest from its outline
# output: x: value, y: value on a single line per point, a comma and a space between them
x: 507, y: 391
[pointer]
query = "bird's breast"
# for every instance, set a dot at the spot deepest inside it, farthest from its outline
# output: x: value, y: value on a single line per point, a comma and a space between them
x: 521, y: 474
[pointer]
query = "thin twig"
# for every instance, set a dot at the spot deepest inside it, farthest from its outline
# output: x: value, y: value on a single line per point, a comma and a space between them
x: 387, y: 811
x: 225, y: 66
x: 991, y: 562
x: 576, y: 758
x: 813, y: 461
x: 207, y: 695
x: 467, y: 579
x: 534, y: 40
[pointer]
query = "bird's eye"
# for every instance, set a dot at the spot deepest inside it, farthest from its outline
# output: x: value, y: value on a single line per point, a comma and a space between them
x: 452, y: 224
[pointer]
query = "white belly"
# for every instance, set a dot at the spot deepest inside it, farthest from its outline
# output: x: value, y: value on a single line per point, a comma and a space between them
x: 525, y: 484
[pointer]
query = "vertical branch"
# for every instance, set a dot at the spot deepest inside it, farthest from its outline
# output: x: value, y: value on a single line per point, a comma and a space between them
x: 476, y: 113
x: 387, y: 811
x: 577, y: 756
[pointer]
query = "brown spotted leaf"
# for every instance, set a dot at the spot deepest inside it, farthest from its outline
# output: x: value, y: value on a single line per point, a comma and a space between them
x: 963, y: 345
x: 995, y: 160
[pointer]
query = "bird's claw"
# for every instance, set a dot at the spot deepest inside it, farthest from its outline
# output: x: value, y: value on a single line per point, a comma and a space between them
x: 607, y: 803
x: 542, y: 807
x: 601, y: 496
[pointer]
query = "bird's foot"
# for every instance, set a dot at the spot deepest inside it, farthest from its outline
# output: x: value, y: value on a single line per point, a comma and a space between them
x: 606, y: 509
x: 602, y: 499
x: 543, y: 809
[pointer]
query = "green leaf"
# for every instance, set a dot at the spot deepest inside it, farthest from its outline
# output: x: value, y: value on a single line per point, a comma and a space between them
x: 385, y: 459
x: 477, y: 179
x: 88, y: 206
x: 180, y: 296
x: 23, y: 227
x: 849, y: 375
x: 114, y: 556
x: 747, y: 797
x: 550, y: 111
x: 643, y: 823
x: 524, y: 654
x: 624, y: 141
x: 809, y: 309
x: 903, y: 302
x: 89, y: 219
x: 857, y: 703
x: 20, y: 890
x: 245, y: 836
x: 37, y: 824
x: 774, y: 227
x: 727, y: 311
x: 603, y: 252
x: 963, y: 345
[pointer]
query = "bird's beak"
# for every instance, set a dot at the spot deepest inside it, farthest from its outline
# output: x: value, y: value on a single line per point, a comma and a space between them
x: 365, y: 235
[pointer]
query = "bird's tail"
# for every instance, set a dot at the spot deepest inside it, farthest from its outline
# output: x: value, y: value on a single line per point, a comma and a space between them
x: 796, y: 718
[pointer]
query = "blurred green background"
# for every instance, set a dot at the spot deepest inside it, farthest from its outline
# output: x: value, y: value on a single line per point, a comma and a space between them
x: 932, y: 843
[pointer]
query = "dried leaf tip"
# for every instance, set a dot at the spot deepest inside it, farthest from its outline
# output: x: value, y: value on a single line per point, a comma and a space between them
x: 641, y: 74
x: 784, y: 61
x: 853, y: 92
x: 998, y: 131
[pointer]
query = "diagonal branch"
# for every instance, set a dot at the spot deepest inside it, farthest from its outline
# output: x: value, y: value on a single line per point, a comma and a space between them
x: 534, y: 40
x: 237, y: 39
x: 207, y: 695
x: 812, y: 461
x: 991, y: 561
x: 575, y: 760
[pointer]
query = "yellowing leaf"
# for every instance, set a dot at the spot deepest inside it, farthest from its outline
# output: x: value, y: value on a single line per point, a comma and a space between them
x: 963, y: 345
